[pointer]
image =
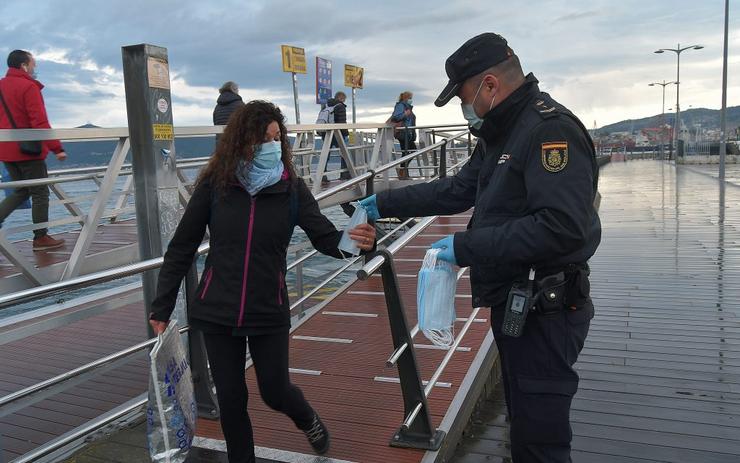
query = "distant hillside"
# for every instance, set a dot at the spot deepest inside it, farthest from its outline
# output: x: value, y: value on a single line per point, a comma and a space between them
x: 708, y: 118
x: 98, y: 153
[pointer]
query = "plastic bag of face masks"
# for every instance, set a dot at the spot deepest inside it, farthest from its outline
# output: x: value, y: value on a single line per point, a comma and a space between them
x: 347, y: 244
x: 171, y: 412
x: 435, y: 299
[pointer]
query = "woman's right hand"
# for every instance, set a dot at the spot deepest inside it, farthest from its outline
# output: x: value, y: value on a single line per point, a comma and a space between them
x: 158, y: 326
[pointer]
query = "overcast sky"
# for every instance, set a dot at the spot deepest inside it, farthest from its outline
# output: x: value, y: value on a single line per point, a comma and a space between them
x: 596, y: 57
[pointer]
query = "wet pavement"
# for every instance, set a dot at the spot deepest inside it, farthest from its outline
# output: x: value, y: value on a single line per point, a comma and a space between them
x: 660, y: 372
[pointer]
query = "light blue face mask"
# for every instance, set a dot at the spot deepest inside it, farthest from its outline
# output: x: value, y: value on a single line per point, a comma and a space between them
x: 469, y: 111
x: 410, y: 102
x: 268, y: 155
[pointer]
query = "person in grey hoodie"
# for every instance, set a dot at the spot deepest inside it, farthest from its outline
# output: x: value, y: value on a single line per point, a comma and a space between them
x: 228, y: 101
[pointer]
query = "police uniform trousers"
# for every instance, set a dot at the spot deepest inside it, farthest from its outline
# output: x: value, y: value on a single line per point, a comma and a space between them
x: 539, y: 381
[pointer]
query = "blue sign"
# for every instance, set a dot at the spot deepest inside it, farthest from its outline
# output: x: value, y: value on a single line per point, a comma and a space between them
x: 323, y: 80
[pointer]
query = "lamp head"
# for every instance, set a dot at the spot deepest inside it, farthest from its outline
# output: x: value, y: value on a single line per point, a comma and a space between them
x: 659, y: 51
x: 698, y: 47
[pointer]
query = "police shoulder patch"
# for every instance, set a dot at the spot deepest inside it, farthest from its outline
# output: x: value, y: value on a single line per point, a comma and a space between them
x: 555, y: 155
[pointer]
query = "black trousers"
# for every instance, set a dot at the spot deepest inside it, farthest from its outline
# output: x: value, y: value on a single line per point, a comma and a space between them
x: 540, y: 382
x: 407, y: 146
x: 28, y: 170
x: 226, y: 356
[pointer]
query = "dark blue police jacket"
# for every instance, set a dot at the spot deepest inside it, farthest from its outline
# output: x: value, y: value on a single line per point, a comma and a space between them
x: 532, y: 180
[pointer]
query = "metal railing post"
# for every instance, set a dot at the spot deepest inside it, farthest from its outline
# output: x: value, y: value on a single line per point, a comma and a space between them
x: 204, y: 397
x: 417, y: 430
x: 299, y: 285
x: 151, y: 135
x: 370, y: 190
x: 434, y: 154
x: 443, y: 160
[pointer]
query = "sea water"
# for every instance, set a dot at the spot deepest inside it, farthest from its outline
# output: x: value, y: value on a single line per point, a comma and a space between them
x: 315, y: 269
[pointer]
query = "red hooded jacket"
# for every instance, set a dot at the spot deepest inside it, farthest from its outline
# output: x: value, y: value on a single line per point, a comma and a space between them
x: 22, y: 94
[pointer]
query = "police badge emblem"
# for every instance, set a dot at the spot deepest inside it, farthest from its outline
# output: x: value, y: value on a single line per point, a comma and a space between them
x: 554, y: 156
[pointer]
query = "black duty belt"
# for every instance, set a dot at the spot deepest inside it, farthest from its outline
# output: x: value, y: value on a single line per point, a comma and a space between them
x: 563, y: 288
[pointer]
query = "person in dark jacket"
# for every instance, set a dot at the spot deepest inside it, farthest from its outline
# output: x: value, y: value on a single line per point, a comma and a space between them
x: 339, y: 110
x: 228, y: 102
x: 249, y: 197
x: 21, y: 93
x: 403, y: 117
x: 532, y: 181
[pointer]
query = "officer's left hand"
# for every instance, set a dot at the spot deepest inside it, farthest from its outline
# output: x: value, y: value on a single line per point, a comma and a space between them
x: 447, y: 249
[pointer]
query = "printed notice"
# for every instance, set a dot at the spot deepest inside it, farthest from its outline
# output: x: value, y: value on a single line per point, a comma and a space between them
x: 294, y: 59
x: 163, y: 132
x: 353, y: 76
x: 159, y: 73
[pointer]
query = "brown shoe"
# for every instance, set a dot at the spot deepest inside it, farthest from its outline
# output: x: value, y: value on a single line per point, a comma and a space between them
x: 46, y: 242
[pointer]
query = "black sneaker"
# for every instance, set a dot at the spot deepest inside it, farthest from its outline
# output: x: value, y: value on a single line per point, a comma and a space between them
x: 318, y: 435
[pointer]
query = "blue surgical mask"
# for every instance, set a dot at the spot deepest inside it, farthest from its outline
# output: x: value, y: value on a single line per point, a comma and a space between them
x: 410, y: 102
x: 268, y: 155
x: 468, y: 110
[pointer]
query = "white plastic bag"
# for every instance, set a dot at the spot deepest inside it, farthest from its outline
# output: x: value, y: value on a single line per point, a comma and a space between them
x: 435, y: 299
x: 347, y: 244
x: 172, y: 411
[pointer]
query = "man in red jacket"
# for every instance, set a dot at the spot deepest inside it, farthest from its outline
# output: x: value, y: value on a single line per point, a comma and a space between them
x: 22, y: 94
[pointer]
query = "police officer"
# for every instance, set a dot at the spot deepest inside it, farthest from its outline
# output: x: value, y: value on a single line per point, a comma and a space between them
x: 532, y: 181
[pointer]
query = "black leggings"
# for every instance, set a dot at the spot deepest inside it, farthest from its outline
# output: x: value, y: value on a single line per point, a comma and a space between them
x: 226, y: 356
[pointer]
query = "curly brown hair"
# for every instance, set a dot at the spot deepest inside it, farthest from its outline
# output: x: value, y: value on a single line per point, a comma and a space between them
x: 245, y: 130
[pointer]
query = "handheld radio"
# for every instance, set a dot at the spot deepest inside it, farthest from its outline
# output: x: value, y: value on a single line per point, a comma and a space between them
x: 517, y: 307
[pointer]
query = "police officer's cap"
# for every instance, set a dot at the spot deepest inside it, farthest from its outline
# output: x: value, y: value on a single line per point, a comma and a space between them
x: 475, y: 56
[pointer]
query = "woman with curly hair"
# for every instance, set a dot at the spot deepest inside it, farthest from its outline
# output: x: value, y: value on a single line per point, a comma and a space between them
x: 250, y: 198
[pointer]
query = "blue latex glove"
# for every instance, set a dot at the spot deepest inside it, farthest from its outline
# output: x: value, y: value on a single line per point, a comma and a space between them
x: 447, y: 249
x: 371, y: 207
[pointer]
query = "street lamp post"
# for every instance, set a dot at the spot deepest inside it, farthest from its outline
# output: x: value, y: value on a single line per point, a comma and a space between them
x: 662, y: 113
x: 678, y: 51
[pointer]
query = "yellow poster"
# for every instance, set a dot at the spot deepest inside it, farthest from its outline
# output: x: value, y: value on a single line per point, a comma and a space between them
x: 294, y: 59
x: 353, y: 76
x: 163, y: 131
x: 158, y: 72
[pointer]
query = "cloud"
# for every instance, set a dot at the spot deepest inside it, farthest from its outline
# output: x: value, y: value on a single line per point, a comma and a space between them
x: 577, y: 15
x: 595, y: 56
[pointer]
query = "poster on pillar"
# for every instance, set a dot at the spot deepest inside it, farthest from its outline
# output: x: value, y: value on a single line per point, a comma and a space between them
x: 160, y: 109
x: 147, y: 73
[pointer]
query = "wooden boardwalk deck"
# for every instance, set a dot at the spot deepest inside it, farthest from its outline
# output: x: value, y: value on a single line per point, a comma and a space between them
x: 114, y: 244
x: 362, y: 412
x: 660, y: 372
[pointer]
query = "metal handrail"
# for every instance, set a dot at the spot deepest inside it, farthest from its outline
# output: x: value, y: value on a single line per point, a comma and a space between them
x: 443, y: 364
x: 5, y: 400
x: 99, y: 422
x: 410, y: 156
x: 100, y: 133
x: 34, y: 388
x: 375, y: 263
x: 150, y: 264
x: 110, y: 274
x: 84, y: 281
x: 81, y: 431
x: 364, y: 177
x: 345, y: 267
